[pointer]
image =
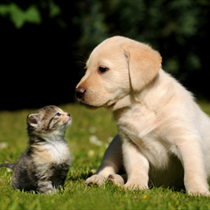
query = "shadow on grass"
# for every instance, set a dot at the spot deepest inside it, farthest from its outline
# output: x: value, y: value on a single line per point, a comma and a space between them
x: 79, y: 175
x: 180, y: 189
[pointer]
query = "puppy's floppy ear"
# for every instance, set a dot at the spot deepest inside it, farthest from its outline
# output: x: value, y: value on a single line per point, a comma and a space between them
x: 144, y: 63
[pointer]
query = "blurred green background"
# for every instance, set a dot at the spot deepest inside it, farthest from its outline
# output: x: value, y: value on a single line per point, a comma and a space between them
x: 44, y: 44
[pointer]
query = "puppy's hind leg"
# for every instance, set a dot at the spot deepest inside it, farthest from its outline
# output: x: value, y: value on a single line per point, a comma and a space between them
x: 111, y: 163
x: 117, y: 179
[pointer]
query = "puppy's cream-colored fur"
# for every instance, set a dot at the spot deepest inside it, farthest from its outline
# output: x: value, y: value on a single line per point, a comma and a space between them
x: 164, y: 137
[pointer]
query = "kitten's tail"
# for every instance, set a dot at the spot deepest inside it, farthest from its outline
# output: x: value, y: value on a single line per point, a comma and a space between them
x: 8, y: 165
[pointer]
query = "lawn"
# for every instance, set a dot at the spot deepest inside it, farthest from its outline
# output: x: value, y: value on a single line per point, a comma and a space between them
x: 88, y: 138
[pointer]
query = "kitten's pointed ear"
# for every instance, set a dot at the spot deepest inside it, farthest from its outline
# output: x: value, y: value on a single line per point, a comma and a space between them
x: 33, y: 119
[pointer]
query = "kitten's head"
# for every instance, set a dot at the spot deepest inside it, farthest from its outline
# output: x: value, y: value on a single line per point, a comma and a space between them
x: 49, y: 120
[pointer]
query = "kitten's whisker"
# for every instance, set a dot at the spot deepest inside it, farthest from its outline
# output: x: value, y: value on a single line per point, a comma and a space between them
x: 80, y: 56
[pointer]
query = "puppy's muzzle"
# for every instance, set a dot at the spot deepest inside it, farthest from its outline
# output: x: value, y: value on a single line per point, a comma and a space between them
x: 80, y: 92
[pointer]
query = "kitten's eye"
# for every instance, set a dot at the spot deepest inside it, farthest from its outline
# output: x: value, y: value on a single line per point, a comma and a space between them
x: 102, y: 69
x: 58, y: 114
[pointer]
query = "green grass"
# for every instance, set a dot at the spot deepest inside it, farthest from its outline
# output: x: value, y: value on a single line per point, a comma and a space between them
x: 86, y: 156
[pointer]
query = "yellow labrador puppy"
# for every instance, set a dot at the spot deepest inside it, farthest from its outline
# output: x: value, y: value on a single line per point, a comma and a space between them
x: 164, y: 137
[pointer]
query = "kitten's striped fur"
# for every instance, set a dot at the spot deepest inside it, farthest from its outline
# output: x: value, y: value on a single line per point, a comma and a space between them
x: 45, y: 164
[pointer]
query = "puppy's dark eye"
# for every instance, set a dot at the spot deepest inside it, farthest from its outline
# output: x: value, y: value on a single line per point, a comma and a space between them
x: 58, y: 114
x: 102, y: 69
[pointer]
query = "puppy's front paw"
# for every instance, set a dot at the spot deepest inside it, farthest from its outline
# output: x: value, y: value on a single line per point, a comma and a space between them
x: 196, y: 187
x: 133, y: 185
x: 197, y: 193
x: 116, y: 179
x: 95, y: 179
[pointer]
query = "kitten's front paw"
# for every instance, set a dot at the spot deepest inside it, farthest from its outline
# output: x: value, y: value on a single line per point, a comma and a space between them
x: 51, y: 192
x: 116, y: 179
x: 95, y: 179
x: 46, y: 187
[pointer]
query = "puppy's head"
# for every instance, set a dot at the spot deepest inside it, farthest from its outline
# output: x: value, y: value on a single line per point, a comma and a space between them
x: 115, y: 68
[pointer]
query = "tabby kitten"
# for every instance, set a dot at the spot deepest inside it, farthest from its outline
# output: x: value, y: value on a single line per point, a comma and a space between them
x: 45, y: 164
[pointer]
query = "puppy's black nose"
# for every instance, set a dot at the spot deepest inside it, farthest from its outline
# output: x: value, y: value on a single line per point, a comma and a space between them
x: 80, y: 91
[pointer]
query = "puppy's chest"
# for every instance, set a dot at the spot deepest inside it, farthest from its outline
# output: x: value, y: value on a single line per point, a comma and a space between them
x: 137, y: 122
x: 142, y: 130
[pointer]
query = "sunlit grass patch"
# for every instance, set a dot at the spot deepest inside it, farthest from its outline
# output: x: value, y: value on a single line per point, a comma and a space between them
x: 87, y: 155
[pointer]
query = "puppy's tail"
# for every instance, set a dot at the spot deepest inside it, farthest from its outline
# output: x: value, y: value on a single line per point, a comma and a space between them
x: 8, y: 165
